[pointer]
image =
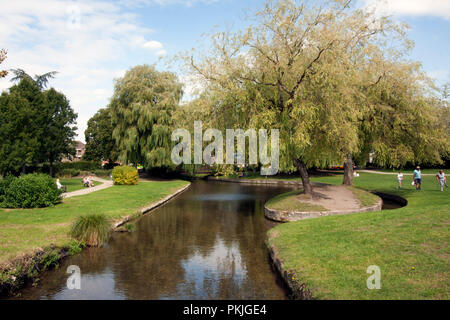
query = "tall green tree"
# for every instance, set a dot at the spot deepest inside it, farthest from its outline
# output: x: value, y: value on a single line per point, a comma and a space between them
x: 141, y: 110
x: 20, y: 128
x: 58, y: 121
x: 41, y: 80
x: 100, y: 145
x: 36, y: 126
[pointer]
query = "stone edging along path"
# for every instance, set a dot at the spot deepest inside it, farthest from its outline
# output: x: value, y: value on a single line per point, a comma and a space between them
x: 152, y: 207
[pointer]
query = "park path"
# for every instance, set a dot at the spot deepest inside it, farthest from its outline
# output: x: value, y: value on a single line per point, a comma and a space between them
x: 105, y: 184
x: 394, y: 173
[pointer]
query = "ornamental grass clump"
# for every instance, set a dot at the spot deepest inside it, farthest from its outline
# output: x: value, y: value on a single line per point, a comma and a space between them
x: 93, y: 230
x: 125, y: 175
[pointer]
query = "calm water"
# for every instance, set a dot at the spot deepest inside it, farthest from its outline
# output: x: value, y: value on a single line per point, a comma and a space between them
x: 208, y: 243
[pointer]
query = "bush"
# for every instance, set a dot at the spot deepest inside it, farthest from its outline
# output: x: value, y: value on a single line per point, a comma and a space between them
x: 4, y: 185
x: 69, y: 173
x: 30, y: 191
x: 102, y: 173
x: 125, y: 175
x: 82, y: 165
x: 92, y: 230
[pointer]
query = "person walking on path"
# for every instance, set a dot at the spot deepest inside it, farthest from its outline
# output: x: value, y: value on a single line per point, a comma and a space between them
x: 442, y: 179
x: 400, y: 179
x: 417, y: 174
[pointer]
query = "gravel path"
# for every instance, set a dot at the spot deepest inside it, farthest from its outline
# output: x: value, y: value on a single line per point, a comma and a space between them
x: 395, y: 173
x: 106, y: 184
x: 333, y: 198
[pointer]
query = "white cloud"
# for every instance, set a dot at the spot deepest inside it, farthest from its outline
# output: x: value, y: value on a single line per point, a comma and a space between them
x: 153, y: 45
x: 89, y: 43
x: 187, y: 3
x: 437, y: 8
x: 161, y: 53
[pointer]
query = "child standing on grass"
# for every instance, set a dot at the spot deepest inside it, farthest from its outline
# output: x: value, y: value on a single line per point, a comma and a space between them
x: 418, y: 178
x: 400, y: 179
x: 442, y: 179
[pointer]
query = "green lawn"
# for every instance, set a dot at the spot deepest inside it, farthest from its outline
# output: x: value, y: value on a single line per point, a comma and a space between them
x: 21, y: 230
x: 330, y: 255
x: 75, y: 184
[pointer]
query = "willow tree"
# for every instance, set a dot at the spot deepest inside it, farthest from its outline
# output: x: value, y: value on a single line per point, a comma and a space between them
x: 401, y: 122
x: 141, y: 111
x: 288, y: 69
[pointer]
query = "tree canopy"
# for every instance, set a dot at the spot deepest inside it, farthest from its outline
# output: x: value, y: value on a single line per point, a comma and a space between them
x: 317, y: 73
x: 36, y: 126
x: 100, y: 144
x: 141, y: 110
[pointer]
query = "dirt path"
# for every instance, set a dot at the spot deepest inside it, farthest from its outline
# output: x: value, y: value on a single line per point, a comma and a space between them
x: 106, y: 184
x: 333, y: 198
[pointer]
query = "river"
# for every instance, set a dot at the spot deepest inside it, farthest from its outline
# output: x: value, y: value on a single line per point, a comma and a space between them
x: 208, y: 243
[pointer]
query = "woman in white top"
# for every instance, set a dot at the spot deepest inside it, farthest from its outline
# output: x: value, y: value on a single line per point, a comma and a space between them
x: 400, y: 179
x: 60, y: 186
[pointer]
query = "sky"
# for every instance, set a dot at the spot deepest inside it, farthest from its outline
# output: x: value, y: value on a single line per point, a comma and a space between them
x: 92, y: 42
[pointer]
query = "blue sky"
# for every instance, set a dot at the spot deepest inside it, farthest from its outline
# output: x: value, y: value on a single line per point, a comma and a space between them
x: 92, y: 42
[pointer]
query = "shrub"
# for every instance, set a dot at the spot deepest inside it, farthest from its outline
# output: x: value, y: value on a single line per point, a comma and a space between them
x: 4, y: 185
x: 82, y: 165
x: 125, y: 175
x: 92, y: 230
x: 31, y: 191
x: 102, y: 173
x: 69, y: 173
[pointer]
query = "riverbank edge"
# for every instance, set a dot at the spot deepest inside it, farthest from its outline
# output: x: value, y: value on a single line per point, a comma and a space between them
x: 297, y: 290
x: 150, y: 208
x: 259, y: 181
x: 23, y: 270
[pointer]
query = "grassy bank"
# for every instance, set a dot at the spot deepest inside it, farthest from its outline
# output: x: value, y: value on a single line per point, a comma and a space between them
x: 23, y: 231
x: 330, y: 255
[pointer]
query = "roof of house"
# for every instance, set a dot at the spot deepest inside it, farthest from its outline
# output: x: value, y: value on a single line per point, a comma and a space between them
x: 80, y: 145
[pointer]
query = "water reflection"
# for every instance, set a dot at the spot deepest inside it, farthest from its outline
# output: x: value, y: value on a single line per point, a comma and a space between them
x: 206, y: 244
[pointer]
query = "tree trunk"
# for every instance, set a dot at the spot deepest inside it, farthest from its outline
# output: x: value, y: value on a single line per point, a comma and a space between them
x: 51, y: 168
x: 301, y: 167
x: 348, y: 171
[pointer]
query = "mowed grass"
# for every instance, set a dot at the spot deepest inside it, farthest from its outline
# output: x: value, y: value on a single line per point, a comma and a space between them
x: 291, y: 201
x: 75, y: 184
x: 22, y: 231
x: 330, y: 255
